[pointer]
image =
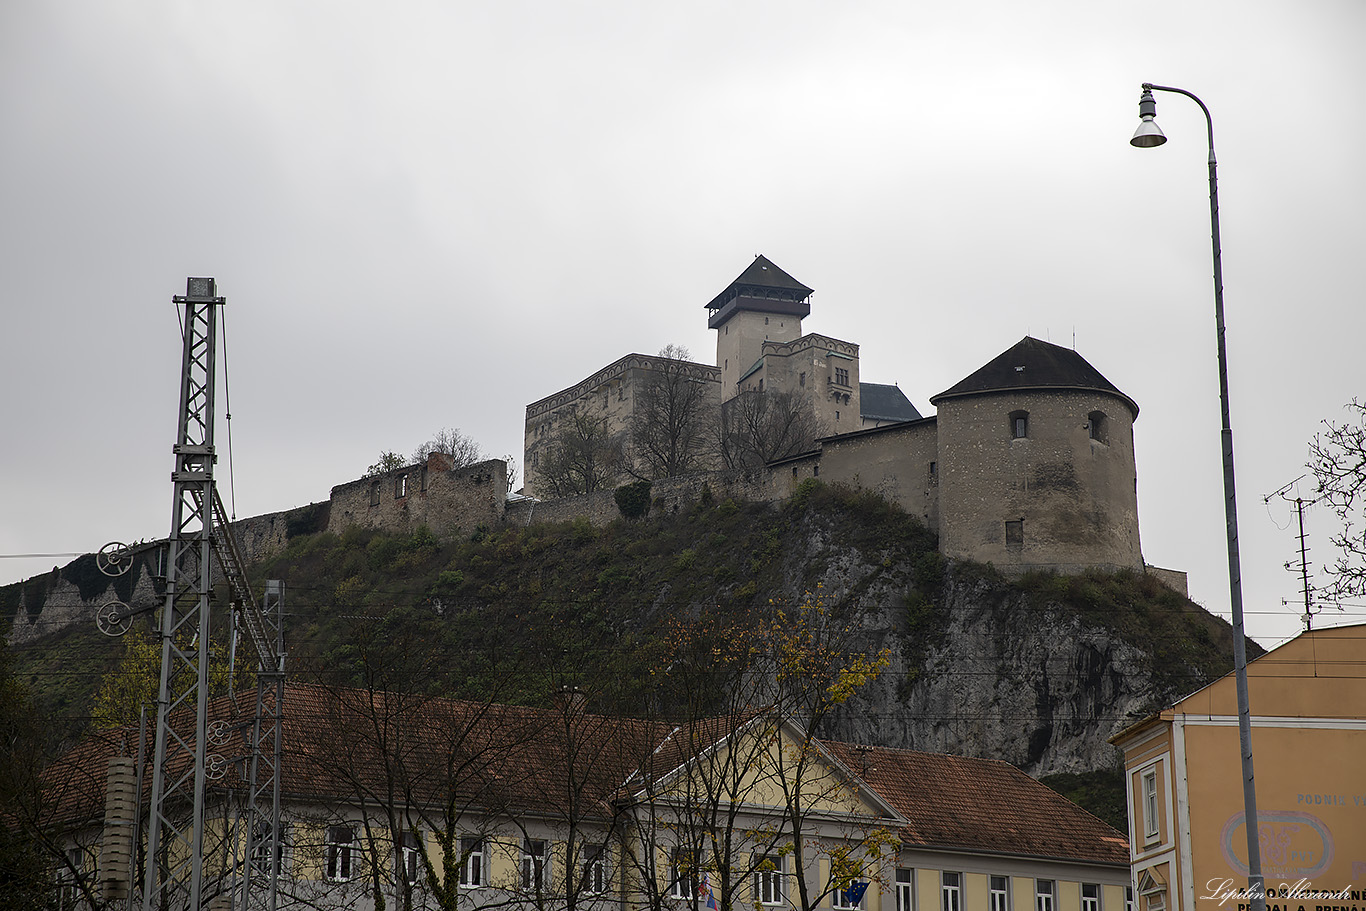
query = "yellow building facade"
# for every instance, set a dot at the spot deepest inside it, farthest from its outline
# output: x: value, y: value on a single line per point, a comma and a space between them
x: 1187, y: 836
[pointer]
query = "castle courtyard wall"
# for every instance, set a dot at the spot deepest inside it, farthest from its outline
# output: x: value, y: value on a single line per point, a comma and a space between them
x: 898, y: 461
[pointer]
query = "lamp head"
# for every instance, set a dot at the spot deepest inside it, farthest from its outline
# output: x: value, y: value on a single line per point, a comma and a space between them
x: 1148, y: 133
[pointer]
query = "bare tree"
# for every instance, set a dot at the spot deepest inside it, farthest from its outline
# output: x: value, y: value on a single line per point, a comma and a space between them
x: 462, y: 450
x: 583, y: 456
x: 759, y: 427
x: 1337, y: 456
x: 751, y: 692
x: 673, y: 424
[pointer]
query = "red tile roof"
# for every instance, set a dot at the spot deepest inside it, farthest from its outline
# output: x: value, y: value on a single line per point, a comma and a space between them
x: 981, y: 804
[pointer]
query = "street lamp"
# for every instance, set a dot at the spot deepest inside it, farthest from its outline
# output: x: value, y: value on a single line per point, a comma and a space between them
x: 1149, y: 136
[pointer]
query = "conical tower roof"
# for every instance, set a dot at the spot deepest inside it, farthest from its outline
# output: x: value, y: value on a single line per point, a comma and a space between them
x: 1032, y: 364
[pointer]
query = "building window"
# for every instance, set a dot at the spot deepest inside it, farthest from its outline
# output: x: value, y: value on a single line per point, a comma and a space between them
x: 837, y: 415
x: 841, y: 376
x: 998, y: 893
x: 533, y: 865
x: 801, y: 380
x: 683, y: 877
x: 1150, y: 828
x: 594, y: 880
x: 934, y: 469
x: 1154, y: 893
x: 761, y: 384
x: 472, y: 869
x: 1128, y: 898
x: 68, y: 893
x: 1097, y: 427
x: 768, y: 880
x: 849, y: 897
x: 409, y: 860
x: 400, y: 487
x: 337, y: 851
x: 1015, y: 533
x: 905, y: 889
x: 1019, y: 425
x: 1043, y: 895
x: 374, y: 494
x: 1090, y: 897
x: 951, y: 891
x: 260, y: 848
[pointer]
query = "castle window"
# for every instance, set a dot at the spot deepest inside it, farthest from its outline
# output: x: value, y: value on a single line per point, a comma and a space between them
x: 761, y: 384
x: 841, y: 376
x: 1015, y: 533
x: 374, y: 494
x: 765, y: 321
x: 934, y: 468
x: 801, y: 381
x: 400, y: 487
x: 1097, y: 426
x: 1019, y: 425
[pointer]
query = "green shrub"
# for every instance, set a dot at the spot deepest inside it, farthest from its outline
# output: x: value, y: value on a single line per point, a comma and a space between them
x: 633, y: 500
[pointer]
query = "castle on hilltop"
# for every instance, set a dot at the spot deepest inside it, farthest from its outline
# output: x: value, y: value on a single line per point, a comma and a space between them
x: 1028, y: 464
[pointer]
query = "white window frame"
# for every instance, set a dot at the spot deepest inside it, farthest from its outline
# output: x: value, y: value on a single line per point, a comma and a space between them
x: 685, y: 885
x: 1151, y: 821
x: 1090, y: 902
x: 1045, y: 895
x: 950, y: 891
x: 474, y: 850
x: 260, y: 855
x: 339, y: 846
x: 593, y: 879
x: 534, y: 853
x: 770, y: 887
x: 905, y: 889
x: 998, y: 899
x: 409, y: 863
x: 840, y: 898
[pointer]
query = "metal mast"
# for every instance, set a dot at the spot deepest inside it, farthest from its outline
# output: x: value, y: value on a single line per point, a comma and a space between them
x: 263, y: 848
x: 175, y: 839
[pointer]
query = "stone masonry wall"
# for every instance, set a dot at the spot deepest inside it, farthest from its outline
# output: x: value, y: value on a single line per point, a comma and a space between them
x: 1074, y: 497
x: 446, y: 501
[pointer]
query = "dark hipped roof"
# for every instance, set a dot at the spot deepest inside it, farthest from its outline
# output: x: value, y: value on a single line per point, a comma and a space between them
x: 985, y: 804
x: 766, y: 279
x: 880, y: 402
x: 1032, y: 364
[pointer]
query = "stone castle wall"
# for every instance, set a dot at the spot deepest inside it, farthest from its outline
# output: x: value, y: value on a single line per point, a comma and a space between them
x: 446, y: 500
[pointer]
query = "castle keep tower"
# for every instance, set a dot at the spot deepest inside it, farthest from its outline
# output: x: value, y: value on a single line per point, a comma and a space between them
x: 1036, y: 464
x: 763, y: 304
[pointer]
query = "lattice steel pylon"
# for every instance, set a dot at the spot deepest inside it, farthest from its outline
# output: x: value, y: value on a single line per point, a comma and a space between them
x: 182, y: 764
x: 263, y: 846
x: 175, y: 835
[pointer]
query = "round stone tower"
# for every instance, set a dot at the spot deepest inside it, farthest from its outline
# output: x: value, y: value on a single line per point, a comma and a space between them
x: 1036, y: 464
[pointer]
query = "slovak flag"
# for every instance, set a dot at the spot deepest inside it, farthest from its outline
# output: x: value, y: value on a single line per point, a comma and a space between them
x: 705, y: 889
x: 854, y: 894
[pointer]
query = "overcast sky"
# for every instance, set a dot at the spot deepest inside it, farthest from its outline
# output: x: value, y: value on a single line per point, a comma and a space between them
x: 428, y: 214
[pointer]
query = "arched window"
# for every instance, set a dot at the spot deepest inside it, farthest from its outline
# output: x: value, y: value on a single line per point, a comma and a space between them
x: 1098, y: 427
x: 1019, y: 425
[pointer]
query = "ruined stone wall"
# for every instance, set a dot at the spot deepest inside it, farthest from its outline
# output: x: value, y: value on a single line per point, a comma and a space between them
x: 1074, y: 498
x: 446, y: 501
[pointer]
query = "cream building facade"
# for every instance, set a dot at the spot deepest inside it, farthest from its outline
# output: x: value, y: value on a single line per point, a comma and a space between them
x: 1188, y: 841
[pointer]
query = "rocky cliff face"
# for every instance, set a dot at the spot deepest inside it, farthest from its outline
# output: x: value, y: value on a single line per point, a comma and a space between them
x: 996, y: 668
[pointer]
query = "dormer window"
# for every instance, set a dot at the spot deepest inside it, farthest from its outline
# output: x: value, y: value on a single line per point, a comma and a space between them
x: 1019, y: 425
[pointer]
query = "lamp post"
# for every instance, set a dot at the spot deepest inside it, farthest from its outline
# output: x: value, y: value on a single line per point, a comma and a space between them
x: 1148, y: 136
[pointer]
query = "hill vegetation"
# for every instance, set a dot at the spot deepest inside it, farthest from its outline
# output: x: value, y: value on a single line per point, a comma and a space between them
x: 504, y: 610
